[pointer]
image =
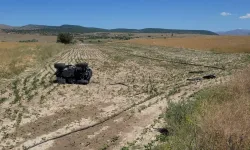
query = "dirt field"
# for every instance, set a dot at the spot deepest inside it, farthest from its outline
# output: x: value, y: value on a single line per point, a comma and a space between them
x: 215, y: 43
x: 130, y: 88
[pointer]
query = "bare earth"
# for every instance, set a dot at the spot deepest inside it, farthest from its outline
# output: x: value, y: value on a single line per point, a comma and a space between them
x: 130, y: 89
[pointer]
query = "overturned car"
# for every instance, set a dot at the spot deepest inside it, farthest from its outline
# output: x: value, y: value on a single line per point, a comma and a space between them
x: 73, y: 74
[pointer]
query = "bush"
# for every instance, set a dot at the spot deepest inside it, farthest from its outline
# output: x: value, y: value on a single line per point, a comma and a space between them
x: 65, y: 38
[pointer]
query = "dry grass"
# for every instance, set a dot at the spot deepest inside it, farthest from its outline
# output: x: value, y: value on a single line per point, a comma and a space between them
x: 16, y: 57
x: 215, y: 43
x: 19, y: 37
x: 216, y: 118
x: 11, y: 45
x: 228, y: 123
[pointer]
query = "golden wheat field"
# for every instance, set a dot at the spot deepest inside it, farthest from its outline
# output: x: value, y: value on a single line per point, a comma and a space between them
x: 7, y: 37
x: 10, y: 45
x: 16, y: 57
x: 215, y: 43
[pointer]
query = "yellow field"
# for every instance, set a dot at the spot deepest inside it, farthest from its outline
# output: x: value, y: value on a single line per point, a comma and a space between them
x: 16, y: 57
x: 10, y: 45
x: 22, y: 37
x: 216, y: 43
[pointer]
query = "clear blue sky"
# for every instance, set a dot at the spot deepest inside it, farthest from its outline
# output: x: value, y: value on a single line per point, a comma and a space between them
x: 174, y: 14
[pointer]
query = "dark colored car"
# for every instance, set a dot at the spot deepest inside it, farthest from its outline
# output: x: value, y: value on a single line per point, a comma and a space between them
x: 73, y: 74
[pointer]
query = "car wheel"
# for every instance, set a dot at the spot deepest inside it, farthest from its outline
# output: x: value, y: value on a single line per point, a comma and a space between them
x: 61, y: 81
x: 82, y: 65
x: 70, y: 81
x: 84, y: 82
x: 59, y: 66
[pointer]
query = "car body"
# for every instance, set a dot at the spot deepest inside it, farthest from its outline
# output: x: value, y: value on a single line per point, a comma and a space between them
x: 73, y: 74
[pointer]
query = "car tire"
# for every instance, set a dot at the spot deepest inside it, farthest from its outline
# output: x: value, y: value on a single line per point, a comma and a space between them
x: 84, y: 82
x: 70, y: 81
x: 89, y: 74
x: 59, y: 66
x: 82, y: 65
x: 61, y: 81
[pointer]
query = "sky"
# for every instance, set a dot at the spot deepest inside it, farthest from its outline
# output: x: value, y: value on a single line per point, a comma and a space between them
x: 213, y: 15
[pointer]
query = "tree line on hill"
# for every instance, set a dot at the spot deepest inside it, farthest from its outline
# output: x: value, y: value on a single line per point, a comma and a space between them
x: 54, y: 30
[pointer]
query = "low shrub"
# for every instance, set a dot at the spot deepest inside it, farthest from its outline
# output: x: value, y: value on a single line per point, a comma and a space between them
x: 65, y: 38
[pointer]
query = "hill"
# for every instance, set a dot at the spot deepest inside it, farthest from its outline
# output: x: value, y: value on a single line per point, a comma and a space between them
x: 3, y: 26
x: 32, y: 27
x: 48, y: 30
x: 236, y: 32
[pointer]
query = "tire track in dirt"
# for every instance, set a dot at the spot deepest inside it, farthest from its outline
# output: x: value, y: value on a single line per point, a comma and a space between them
x: 34, y: 82
x: 115, y: 115
x: 104, y: 120
x: 86, y: 55
x: 39, y: 78
x: 63, y: 141
x: 32, y: 88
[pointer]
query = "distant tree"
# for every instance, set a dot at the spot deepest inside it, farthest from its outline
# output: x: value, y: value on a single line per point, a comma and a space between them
x: 65, y: 38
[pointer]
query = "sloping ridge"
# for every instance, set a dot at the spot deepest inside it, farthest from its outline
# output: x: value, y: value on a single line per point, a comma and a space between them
x: 3, y: 26
x: 236, y: 32
x: 80, y: 29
